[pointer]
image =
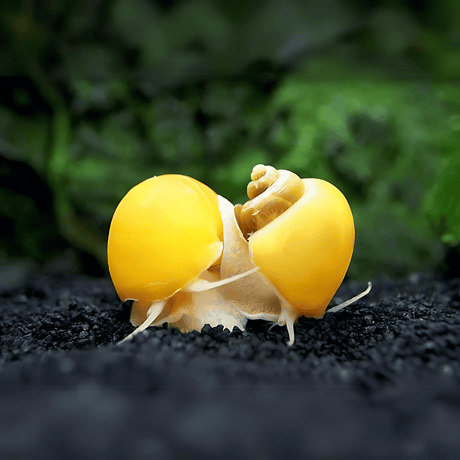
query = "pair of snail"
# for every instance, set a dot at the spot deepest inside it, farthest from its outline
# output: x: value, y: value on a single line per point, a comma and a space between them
x: 188, y: 257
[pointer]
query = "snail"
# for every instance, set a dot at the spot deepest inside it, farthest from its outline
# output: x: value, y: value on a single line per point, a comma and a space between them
x: 164, y: 248
x: 188, y: 257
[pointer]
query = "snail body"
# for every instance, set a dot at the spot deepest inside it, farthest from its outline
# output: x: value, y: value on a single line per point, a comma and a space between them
x: 188, y: 257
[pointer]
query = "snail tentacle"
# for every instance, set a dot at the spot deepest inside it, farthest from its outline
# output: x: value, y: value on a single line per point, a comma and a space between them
x: 152, y: 314
x: 350, y: 301
x: 201, y: 285
x: 288, y: 318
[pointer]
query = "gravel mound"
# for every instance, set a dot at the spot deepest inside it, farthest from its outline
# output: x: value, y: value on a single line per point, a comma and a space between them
x: 380, y: 379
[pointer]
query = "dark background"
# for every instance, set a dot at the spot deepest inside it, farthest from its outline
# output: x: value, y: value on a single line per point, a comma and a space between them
x: 96, y: 96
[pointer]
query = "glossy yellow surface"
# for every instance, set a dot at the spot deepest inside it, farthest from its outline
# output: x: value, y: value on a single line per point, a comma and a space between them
x: 164, y: 233
x: 305, y: 252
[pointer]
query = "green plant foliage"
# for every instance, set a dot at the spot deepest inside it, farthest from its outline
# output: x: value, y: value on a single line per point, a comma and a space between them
x: 381, y: 143
x: 162, y: 136
x: 99, y: 96
x: 24, y: 139
x: 443, y: 201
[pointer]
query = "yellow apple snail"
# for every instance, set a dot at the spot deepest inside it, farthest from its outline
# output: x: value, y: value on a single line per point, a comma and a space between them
x: 188, y: 257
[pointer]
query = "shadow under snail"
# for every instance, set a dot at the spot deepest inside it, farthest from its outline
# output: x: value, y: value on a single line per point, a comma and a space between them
x: 188, y: 257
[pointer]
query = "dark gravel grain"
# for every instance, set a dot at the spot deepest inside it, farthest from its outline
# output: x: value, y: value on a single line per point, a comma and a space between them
x: 380, y: 379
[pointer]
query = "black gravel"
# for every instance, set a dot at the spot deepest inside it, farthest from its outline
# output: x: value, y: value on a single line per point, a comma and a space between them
x: 380, y: 379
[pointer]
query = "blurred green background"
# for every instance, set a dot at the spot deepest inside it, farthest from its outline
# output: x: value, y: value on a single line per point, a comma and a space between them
x: 99, y: 95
